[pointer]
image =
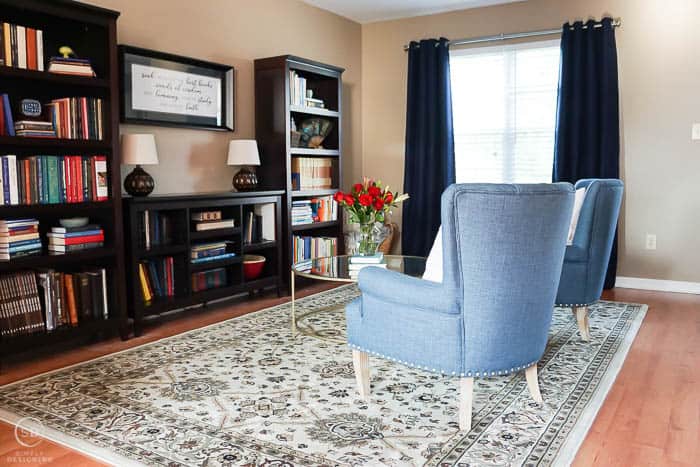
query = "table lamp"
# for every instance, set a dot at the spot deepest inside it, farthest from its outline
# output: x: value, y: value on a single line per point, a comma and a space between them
x: 244, y: 152
x: 139, y: 149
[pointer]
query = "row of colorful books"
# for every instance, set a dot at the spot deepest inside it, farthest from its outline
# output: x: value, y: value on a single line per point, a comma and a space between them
x: 307, y: 211
x: 21, y: 47
x: 19, y: 237
x: 209, y: 279
x: 77, y: 117
x: 53, y: 179
x: 305, y: 248
x: 62, y: 299
x: 297, y: 89
x: 310, y: 173
x: 157, y: 278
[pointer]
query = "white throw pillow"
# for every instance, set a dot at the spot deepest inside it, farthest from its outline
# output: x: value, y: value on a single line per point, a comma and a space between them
x: 433, y: 266
x: 578, y: 203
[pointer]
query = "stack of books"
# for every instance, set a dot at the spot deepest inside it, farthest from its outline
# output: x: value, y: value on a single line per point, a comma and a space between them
x: 313, y: 247
x: 357, y: 263
x: 71, y: 298
x: 20, y: 309
x: 157, y: 278
x: 316, y: 103
x: 302, y: 212
x: 77, y: 117
x: 210, y: 279
x: 19, y: 237
x: 53, y: 179
x: 211, y: 220
x: 34, y: 129
x: 21, y: 47
x: 69, y: 239
x: 70, y: 66
x: 310, y: 173
x: 210, y: 252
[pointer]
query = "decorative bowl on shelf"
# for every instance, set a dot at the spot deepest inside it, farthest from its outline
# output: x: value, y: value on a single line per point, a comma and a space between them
x: 253, y: 266
x: 314, y: 131
x: 73, y: 222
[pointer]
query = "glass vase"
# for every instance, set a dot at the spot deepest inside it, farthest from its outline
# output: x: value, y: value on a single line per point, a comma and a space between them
x: 368, y: 241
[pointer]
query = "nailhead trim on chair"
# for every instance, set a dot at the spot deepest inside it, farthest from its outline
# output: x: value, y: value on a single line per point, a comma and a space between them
x: 468, y: 374
x: 572, y: 304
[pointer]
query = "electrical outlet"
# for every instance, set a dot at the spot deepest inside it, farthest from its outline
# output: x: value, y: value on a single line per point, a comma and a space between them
x: 651, y: 242
x: 695, y: 135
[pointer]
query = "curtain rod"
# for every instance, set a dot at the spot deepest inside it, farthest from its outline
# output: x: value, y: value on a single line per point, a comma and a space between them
x: 516, y: 35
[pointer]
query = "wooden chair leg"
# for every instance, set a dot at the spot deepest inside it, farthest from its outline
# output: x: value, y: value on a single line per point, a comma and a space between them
x: 581, y: 313
x: 466, y: 391
x: 360, y: 361
x: 533, y: 384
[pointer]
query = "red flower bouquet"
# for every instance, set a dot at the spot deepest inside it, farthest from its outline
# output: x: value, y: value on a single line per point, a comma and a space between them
x: 367, y: 204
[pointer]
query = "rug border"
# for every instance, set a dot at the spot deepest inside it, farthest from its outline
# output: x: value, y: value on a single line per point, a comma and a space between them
x: 90, y: 449
x: 569, y: 449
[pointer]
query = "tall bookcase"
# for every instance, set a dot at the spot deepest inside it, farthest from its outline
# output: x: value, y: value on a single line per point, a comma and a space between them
x: 92, y: 33
x: 274, y: 113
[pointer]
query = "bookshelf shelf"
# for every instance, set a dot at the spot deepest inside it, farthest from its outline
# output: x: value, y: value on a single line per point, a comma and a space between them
x: 314, y: 152
x: 233, y: 205
x: 56, y: 260
x: 78, y: 145
x: 213, y: 234
x: 165, y: 250
x: 92, y: 31
x: 314, y: 111
x: 251, y: 247
x: 46, y: 78
x: 314, y: 225
x: 307, y: 193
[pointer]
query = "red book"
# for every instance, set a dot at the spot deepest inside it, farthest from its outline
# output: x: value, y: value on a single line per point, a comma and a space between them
x: 84, y: 115
x: 73, y: 179
x: 31, y: 49
x: 80, y: 240
x: 22, y: 231
x: 171, y: 286
x: 79, y: 178
x: 27, y: 184
x: 2, y: 120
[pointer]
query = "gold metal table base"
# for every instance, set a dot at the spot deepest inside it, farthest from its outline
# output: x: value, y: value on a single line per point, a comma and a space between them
x: 328, y: 335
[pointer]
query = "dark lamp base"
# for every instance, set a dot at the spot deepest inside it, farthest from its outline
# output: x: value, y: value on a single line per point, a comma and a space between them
x: 139, y: 182
x: 245, y: 180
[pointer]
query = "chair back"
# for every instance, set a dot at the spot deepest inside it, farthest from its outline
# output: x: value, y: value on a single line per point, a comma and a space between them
x: 503, y: 249
x: 595, y: 231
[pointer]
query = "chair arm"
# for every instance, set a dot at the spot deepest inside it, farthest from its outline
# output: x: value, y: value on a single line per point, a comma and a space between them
x: 394, y: 287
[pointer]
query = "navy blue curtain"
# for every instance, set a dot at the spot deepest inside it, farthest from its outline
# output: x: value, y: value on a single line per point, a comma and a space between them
x: 588, y: 118
x: 429, y: 162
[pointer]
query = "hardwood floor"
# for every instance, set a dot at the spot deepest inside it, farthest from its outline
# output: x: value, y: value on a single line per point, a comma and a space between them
x: 650, y: 417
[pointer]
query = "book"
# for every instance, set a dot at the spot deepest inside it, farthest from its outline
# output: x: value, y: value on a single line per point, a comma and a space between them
x: 214, y: 225
x: 212, y: 258
x: 72, y: 230
x: 206, y: 216
x: 70, y: 66
x: 76, y: 240
x: 209, y: 279
x: 374, y: 259
x: 72, y: 248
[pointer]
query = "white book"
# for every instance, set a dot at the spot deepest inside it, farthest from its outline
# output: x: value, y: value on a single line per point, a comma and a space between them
x: 12, y: 172
x: 105, y: 307
x: 267, y: 211
x: 102, y: 188
x: 21, y: 47
x: 40, y: 50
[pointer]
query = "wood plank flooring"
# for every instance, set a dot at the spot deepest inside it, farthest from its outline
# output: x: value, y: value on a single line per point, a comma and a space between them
x: 651, y: 416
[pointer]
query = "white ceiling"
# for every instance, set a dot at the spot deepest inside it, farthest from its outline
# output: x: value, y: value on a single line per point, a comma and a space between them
x: 367, y: 11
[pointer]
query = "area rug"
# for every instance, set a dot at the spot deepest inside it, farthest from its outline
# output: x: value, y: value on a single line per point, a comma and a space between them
x: 246, y: 392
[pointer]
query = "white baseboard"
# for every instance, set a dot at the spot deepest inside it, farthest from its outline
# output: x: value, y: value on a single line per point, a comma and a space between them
x: 658, y: 284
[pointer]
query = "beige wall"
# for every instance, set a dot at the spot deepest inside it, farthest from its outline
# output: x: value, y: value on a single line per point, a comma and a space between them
x: 236, y: 32
x: 660, y: 98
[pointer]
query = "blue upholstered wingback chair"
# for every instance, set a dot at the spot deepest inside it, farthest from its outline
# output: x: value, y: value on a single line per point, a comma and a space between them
x: 503, y: 249
x: 586, y: 260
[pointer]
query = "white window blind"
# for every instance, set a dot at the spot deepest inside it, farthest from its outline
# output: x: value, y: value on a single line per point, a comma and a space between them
x: 504, y: 102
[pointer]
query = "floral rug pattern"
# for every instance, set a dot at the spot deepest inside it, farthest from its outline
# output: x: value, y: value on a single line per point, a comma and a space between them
x: 245, y: 392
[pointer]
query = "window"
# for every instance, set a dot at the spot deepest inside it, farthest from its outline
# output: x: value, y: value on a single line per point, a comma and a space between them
x: 504, y: 102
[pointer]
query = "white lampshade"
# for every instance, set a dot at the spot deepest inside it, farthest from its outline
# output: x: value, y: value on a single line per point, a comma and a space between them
x: 243, y: 152
x: 139, y: 149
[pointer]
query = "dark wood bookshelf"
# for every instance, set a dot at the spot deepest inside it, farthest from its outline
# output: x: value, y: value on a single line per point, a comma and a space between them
x: 92, y: 33
x: 180, y: 208
x: 273, y: 117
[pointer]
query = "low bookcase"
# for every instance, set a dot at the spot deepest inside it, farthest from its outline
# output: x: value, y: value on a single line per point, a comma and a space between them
x: 162, y: 239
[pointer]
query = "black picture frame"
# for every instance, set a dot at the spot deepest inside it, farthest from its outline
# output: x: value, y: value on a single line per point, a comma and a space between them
x: 214, y: 76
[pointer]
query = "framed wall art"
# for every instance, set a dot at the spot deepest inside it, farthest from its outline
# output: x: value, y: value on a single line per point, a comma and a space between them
x: 158, y: 88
